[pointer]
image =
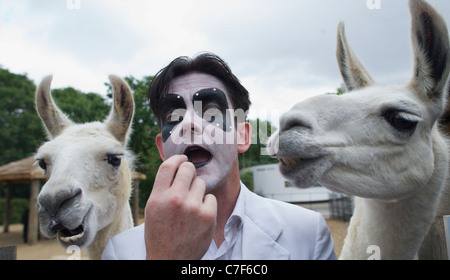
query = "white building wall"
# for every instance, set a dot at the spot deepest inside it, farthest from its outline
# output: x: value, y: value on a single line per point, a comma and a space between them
x: 269, y: 182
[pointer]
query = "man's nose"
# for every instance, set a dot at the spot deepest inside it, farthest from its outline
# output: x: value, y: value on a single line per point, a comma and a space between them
x: 192, y: 125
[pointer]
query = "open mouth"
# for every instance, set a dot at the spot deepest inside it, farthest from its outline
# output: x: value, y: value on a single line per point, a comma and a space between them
x: 304, y: 172
x: 198, y: 156
x: 71, y: 235
x: 289, y: 161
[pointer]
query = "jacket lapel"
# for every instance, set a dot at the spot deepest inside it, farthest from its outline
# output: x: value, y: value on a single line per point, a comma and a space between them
x: 261, y: 229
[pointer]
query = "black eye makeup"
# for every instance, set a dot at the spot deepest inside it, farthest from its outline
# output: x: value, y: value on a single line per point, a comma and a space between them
x: 214, y: 107
x: 172, y: 108
x: 209, y: 103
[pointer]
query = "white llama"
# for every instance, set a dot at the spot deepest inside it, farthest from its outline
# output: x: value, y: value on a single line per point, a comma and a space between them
x: 434, y: 246
x: 378, y: 143
x: 85, y: 199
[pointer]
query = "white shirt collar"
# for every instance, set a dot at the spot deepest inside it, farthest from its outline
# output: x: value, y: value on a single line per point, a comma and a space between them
x: 232, y: 244
x: 237, y: 216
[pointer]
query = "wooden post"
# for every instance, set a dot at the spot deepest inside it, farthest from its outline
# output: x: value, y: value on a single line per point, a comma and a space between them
x: 135, y: 206
x: 7, y: 214
x: 8, y: 253
x: 33, y: 214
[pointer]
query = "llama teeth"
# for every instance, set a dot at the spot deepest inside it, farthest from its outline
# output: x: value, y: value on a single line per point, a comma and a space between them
x: 289, y: 161
x: 71, y: 239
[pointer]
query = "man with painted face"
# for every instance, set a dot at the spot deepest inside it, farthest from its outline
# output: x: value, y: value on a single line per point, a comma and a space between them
x: 199, y: 208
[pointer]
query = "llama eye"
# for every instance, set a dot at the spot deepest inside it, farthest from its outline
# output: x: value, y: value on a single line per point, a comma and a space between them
x: 42, y: 165
x: 114, y: 160
x: 402, y: 121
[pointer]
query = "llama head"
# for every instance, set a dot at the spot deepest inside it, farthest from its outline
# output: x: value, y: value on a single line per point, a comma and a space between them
x: 88, y: 179
x: 374, y: 138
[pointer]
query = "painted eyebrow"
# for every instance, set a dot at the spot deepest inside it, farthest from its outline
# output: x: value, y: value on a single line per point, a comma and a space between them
x: 171, y: 101
x: 211, y: 95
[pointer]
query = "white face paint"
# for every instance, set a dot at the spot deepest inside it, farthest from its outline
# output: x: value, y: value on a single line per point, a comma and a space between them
x: 195, y: 123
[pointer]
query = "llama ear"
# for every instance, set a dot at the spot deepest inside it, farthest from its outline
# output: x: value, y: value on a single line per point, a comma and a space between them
x: 444, y: 120
x: 53, y: 118
x: 121, y: 115
x: 353, y: 72
x: 431, y: 50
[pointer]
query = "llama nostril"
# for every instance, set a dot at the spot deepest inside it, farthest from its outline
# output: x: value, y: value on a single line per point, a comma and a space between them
x: 295, y: 120
x: 297, y: 124
x: 56, y: 224
x: 51, y: 204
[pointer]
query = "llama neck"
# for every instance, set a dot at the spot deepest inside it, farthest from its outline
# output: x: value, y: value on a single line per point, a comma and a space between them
x: 119, y: 224
x: 397, y: 228
x: 122, y: 219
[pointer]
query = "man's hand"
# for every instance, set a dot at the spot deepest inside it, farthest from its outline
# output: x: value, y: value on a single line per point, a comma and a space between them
x: 179, y: 218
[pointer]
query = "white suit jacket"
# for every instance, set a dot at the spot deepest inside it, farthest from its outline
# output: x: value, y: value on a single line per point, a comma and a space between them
x: 272, y: 230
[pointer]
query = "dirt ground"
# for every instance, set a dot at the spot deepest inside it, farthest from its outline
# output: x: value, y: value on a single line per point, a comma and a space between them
x: 49, y: 249
x: 338, y: 231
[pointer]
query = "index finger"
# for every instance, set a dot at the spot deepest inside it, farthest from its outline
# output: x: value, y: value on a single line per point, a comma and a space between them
x: 166, y: 172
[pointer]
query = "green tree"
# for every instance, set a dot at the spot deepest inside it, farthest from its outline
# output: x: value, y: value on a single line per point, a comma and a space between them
x: 21, y: 131
x: 247, y: 179
x: 341, y: 90
x: 81, y: 107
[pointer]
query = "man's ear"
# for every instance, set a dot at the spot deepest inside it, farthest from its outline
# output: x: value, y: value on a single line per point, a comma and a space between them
x: 244, y: 136
x: 159, y: 145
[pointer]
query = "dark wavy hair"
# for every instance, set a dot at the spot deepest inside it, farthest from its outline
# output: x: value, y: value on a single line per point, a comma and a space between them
x: 207, y: 63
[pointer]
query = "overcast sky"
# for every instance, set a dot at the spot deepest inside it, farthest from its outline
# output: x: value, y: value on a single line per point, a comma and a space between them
x: 283, y: 51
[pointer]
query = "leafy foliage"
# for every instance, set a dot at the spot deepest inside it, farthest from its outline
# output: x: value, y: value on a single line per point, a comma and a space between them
x: 255, y: 155
x: 18, y: 207
x: 21, y: 131
x: 81, y: 107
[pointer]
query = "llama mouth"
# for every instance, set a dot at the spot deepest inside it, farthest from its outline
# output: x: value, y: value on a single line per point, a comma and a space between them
x: 198, y: 156
x: 290, y: 161
x: 71, y: 235
x: 304, y: 172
